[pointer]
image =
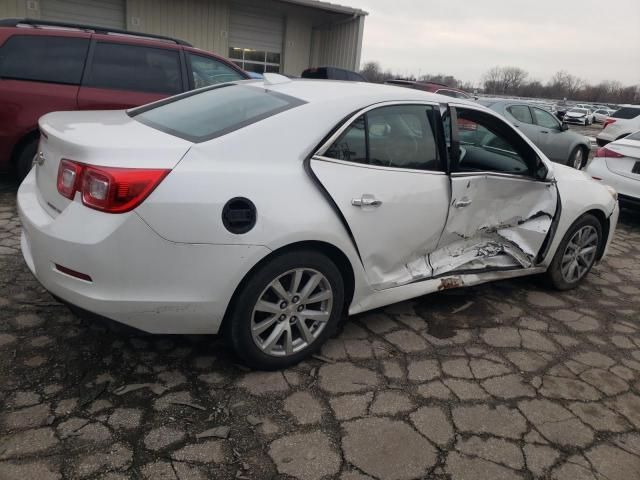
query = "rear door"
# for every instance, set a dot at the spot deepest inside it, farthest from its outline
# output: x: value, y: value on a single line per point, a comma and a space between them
x: 522, y: 118
x: 553, y: 141
x: 502, y: 205
x: 123, y: 75
x: 384, y: 171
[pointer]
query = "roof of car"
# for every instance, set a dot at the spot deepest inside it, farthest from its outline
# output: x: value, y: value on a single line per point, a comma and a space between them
x: 311, y: 91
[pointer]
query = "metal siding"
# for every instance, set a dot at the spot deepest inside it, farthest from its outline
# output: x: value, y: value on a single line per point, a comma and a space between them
x: 13, y: 8
x: 338, y: 45
x: 256, y: 28
x: 104, y: 13
x: 297, y: 52
x: 203, y: 23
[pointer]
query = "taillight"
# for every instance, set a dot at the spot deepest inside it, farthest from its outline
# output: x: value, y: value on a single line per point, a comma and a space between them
x: 69, y: 174
x: 608, y: 121
x: 607, y: 153
x: 108, y: 189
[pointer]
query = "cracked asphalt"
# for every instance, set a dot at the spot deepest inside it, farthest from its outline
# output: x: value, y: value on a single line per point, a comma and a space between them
x: 502, y: 381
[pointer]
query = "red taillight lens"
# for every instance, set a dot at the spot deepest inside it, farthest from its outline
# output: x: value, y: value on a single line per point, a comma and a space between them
x: 112, y: 190
x: 608, y: 121
x: 118, y: 190
x: 607, y: 153
x: 69, y: 174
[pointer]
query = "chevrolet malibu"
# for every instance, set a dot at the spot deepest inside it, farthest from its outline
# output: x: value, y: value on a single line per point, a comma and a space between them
x: 265, y: 210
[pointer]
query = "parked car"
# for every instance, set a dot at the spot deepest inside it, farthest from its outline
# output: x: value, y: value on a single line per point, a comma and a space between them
x: 618, y: 165
x: 433, y: 87
x: 49, y: 66
x: 333, y: 73
x: 621, y: 123
x: 579, y: 116
x: 601, y: 114
x: 266, y: 210
x: 553, y: 137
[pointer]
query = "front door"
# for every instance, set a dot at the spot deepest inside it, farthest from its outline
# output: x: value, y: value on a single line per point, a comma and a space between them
x: 502, y: 206
x: 553, y: 140
x: 384, y: 171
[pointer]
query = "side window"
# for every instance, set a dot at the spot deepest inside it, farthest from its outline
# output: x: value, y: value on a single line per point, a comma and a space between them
x: 448, y: 93
x: 132, y: 67
x: 352, y: 144
x: 207, y: 71
x: 43, y: 59
x: 489, y: 144
x: 520, y: 113
x: 545, y: 119
x: 400, y: 136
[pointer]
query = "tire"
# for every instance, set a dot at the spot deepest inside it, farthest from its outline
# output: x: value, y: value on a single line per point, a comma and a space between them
x: 282, y: 322
x: 578, y: 158
x: 24, y: 161
x: 562, y: 280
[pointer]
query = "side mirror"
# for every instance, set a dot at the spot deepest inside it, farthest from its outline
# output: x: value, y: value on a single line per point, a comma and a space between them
x: 564, y: 127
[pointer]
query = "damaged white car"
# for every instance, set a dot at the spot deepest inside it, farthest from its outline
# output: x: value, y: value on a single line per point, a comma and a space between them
x: 266, y: 209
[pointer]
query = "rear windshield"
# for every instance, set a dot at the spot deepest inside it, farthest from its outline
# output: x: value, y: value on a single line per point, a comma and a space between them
x: 627, y: 113
x: 206, y: 114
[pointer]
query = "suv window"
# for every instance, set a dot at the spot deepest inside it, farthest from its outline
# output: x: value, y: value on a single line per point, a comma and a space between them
x: 489, y: 144
x: 520, y: 113
x: 626, y: 113
x: 205, y: 114
x: 545, y: 119
x: 43, y: 59
x: 137, y: 68
x: 207, y: 71
x: 400, y: 136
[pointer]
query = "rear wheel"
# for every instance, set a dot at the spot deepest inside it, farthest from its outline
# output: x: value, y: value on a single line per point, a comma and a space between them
x: 578, y: 158
x: 24, y: 161
x: 576, y: 253
x: 286, y: 310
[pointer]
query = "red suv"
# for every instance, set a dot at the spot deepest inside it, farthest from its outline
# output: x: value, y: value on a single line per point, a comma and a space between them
x: 51, y: 66
x: 432, y: 87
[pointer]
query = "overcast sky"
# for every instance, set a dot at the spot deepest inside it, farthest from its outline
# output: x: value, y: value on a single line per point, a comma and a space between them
x: 593, y: 39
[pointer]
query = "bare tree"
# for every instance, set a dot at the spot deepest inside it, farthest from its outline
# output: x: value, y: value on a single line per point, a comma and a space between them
x: 504, y: 79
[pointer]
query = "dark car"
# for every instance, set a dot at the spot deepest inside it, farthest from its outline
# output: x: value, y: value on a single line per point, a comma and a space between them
x: 433, y: 87
x: 51, y: 66
x: 333, y: 73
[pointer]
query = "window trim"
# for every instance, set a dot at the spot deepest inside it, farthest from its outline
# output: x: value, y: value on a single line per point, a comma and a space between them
x: 530, y: 175
x: 71, y: 84
x: 439, y: 138
x: 86, y: 76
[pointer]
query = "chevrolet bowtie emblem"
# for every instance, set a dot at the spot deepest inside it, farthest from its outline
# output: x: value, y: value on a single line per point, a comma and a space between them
x: 39, y: 159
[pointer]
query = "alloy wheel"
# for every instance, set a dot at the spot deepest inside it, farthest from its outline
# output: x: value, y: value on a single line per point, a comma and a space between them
x: 577, y: 159
x: 579, y: 254
x: 291, y: 312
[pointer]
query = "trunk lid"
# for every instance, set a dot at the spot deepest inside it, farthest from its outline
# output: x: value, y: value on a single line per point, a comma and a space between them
x: 624, y: 166
x: 107, y: 138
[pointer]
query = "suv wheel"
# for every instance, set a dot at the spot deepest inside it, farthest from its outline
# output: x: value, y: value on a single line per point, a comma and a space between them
x: 286, y: 310
x: 576, y: 253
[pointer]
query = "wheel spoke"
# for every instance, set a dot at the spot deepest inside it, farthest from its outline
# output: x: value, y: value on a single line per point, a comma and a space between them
x: 268, y: 307
x: 295, y: 283
x: 315, y: 315
x: 273, y: 338
x: 288, y: 341
x: 262, y: 326
x: 311, y: 285
x: 277, y: 287
x: 305, y: 333
x: 587, y: 250
x: 320, y: 296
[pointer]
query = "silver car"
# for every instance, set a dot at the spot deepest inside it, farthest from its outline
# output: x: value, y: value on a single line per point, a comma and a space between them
x: 554, y: 138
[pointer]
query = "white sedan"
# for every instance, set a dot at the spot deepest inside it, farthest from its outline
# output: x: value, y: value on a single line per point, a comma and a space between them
x: 266, y: 210
x: 618, y: 165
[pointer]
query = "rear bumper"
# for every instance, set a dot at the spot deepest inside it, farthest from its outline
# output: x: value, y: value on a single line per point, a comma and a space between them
x: 628, y: 188
x: 137, y: 277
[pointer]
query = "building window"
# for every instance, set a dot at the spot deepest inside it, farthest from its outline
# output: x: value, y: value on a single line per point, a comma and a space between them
x: 257, y: 61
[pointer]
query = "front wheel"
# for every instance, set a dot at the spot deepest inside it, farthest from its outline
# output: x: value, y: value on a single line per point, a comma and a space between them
x: 576, y: 253
x: 286, y: 310
x: 577, y: 159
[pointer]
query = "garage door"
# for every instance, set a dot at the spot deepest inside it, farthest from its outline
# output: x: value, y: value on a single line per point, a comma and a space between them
x: 255, y: 38
x: 102, y: 13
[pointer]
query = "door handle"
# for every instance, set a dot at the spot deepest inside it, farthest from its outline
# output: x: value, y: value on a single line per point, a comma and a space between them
x: 366, y: 201
x: 544, y: 131
x: 465, y: 202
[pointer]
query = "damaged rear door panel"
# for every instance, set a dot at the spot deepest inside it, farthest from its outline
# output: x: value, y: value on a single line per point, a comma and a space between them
x: 502, y: 203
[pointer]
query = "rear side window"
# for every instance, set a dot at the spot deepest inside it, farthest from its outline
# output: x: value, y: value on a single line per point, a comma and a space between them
x: 136, y: 68
x: 520, y: 113
x: 626, y: 113
x: 206, y: 114
x: 207, y: 71
x: 43, y: 59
